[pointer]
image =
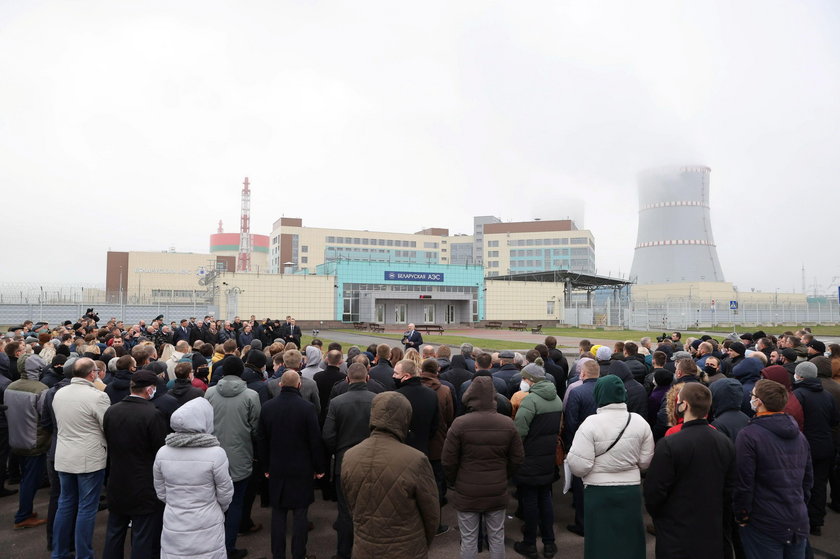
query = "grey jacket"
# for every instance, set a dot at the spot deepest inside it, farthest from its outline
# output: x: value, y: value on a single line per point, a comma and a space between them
x: 195, y: 485
x: 236, y: 410
x: 24, y: 399
x: 79, y: 410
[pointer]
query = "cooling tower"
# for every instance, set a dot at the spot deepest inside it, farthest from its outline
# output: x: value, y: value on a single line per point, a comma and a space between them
x: 674, y: 241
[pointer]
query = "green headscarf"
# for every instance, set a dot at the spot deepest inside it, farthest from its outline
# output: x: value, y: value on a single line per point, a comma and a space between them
x: 610, y: 390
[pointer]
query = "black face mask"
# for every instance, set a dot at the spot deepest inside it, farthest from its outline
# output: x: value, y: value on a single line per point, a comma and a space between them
x: 677, y: 411
x: 710, y: 370
x: 397, y: 382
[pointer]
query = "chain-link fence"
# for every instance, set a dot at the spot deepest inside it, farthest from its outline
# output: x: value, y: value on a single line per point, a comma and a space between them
x: 685, y: 313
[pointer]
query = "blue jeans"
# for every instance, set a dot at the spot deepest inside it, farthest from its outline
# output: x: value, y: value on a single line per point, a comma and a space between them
x: 759, y: 545
x: 234, y: 513
x: 79, y: 497
x: 30, y: 480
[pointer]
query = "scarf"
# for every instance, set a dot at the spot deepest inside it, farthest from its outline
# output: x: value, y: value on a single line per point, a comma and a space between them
x: 196, y: 440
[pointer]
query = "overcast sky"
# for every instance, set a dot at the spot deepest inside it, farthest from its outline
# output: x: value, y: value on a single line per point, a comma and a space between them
x: 130, y: 125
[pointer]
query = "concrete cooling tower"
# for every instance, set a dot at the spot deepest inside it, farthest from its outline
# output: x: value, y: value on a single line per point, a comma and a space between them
x: 674, y: 242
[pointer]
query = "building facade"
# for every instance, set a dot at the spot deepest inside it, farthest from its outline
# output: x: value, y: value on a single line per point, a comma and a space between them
x: 501, y: 248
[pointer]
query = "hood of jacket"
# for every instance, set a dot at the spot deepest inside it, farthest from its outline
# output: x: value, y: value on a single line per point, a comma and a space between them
x: 231, y: 386
x: 780, y: 424
x: 313, y: 356
x: 196, y: 416
x: 748, y: 369
x: 779, y: 374
x: 544, y: 389
x: 621, y: 370
x: 812, y: 384
x: 251, y: 375
x: 33, y: 367
x: 458, y: 362
x: 823, y: 366
x: 122, y: 380
x: 481, y: 395
x: 727, y: 394
x: 391, y: 412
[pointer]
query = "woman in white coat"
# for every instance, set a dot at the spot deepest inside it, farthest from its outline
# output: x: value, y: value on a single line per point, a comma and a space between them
x: 191, y: 477
x: 610, y: 450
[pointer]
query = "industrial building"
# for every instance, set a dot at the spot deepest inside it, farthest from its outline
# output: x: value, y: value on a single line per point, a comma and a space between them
x: 501, y: 248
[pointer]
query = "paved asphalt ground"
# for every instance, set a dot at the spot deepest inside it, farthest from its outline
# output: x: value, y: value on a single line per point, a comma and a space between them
x: 31, y: 543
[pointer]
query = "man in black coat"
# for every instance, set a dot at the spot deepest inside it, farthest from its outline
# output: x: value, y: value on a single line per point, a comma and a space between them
x: 328, y: 378
x: 292, y: 456
x: 134, y: 430
x: 689, y: 484
x: 424, y: 405
x: 821, y: 418
x: 383, y: 371
x: 120, y: 387
x: 347, y: 424
x: 183, y: 390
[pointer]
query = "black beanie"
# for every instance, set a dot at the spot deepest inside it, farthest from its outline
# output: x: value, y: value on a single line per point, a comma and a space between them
x: 256, y: 358
x: 233, y: 366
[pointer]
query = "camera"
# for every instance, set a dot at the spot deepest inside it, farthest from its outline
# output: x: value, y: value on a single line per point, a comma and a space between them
x: 661, y: 338
x: 91, y: 315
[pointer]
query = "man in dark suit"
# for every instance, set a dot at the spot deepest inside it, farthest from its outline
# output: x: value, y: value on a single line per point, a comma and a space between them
x: 412, y: 339
x: 292, y: 457
x: 182, y: 332
x: 291, y: 332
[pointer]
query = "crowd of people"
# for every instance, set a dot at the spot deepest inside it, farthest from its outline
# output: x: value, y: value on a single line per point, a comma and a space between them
x: 176, y: 429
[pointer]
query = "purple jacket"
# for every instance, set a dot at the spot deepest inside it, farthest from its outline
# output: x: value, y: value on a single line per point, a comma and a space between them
x: 774, y: 482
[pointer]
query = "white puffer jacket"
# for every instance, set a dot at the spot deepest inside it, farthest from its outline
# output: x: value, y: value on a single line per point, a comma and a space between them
x: 195, y: 485
x: 624, y: 462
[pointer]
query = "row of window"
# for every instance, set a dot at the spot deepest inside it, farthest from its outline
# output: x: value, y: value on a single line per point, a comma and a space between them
x: 547, y: 253
x: 356, y: 287
x: 549, y: 242
x: 379, y: 242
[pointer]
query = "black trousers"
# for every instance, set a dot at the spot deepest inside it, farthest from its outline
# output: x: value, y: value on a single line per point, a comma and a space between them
x: 816, y: 505
x: 4, y: 455
x: 577, y: 500
x: 145, y: 535
x: 300, y: 532
x: 343, y: 524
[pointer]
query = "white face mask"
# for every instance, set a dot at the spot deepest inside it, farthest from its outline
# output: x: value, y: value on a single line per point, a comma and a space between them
x: 754, y: 404
x: 524, y: 386
x: 152, y: 393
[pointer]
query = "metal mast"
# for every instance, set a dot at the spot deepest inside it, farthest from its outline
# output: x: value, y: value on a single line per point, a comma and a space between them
x: 243, y: 263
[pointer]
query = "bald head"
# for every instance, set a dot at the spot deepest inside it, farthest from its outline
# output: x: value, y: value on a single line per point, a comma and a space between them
x: 290, y: 379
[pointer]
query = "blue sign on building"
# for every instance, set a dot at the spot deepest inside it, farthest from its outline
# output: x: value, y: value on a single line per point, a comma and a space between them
x: 414, y: 276
x: 733, y: 305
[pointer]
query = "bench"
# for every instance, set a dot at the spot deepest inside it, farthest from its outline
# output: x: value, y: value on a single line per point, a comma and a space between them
x: 374, y: 327
x: 495, y: 324
x: 360, y: 326
x: 518, y: 326
x: 429, y: 328
x: 537, y: 330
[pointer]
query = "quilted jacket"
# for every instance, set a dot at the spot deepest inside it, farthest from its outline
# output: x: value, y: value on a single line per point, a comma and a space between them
x: 390, y: 487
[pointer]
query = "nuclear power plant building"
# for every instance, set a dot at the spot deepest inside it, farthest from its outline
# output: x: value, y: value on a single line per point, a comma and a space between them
x: 675, y: 241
